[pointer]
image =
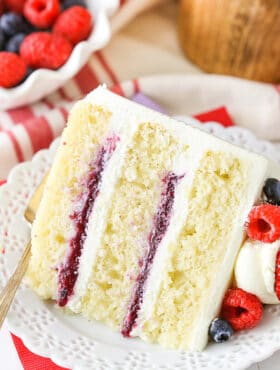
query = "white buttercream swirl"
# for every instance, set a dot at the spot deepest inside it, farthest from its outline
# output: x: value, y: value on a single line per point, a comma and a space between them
x: 255, y: 269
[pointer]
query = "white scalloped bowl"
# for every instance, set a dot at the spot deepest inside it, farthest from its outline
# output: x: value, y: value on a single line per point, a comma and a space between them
x: 43, y: 81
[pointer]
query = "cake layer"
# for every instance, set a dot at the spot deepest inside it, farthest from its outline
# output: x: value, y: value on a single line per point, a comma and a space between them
x: 53, y: 228
x: 158, y: 230
x: 68, y: 270
x: 131, y: 213
x: 213, y: 206
x: 198, y: 266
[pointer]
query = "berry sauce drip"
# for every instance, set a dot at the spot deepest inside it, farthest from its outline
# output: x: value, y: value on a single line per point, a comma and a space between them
x: 68, y: 271
x: 277, y: 275
x: 161, y: 223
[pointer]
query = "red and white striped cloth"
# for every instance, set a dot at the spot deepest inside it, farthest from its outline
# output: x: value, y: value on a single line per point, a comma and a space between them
x: 147, y: 47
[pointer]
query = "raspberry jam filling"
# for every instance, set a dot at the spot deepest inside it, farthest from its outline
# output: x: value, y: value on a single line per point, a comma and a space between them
x: 161, y: 223
x: 68, y: 271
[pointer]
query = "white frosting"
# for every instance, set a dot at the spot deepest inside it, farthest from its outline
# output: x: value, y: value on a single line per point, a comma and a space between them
x: 255, y: 269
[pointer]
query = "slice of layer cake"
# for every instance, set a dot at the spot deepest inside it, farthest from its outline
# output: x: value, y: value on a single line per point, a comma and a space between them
x: 141, y: 220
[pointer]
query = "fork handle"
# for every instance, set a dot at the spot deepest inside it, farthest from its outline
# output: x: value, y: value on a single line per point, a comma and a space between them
x: 8, y: 293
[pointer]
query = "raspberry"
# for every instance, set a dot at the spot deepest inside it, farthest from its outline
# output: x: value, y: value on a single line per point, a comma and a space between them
x: 12, y: 69
x: 45, y: 50
x: 277, y: 275
x: 264, y: 223
x: 241, y: 309
x: 41, y: 13
x: 74, y: 23
x: 15, y: 5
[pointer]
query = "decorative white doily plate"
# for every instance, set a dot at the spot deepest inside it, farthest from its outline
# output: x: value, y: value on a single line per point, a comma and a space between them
x: 44, y: 81
x: 72, y: 341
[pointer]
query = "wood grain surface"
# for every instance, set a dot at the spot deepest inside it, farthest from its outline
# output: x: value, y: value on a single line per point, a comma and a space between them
x: 235, y: 37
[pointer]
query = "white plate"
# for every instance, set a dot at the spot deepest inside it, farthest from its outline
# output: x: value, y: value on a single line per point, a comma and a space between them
x: 43, y: 81
x: 72, y: 341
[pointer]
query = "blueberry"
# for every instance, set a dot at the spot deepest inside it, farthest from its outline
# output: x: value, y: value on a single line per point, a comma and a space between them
x: 12, y: 23
x: 14, y: 43
x: 220, y: 330
x: 2, y: 40
x: 271, y: 191
x: 68, y: 3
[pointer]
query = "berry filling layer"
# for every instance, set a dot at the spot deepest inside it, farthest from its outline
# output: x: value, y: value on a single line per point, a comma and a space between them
x: 161, y: 223
x: 68, y: 271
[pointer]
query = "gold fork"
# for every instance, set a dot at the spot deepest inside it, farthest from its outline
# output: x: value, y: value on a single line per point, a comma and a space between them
x: 8, y: 293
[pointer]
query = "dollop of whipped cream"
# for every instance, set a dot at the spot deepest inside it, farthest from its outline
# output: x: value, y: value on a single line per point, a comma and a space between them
x: 255, y: 269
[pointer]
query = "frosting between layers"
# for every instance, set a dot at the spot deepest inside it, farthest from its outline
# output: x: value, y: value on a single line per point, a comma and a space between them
x: 161, y: 223
x: 185, y: 165
x: 68, y: 271
x: 97, y: 218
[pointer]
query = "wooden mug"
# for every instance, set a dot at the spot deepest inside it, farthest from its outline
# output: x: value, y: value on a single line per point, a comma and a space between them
x: 235, y: 37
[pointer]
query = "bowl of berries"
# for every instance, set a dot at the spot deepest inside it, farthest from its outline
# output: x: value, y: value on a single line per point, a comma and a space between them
x: 43, y: 43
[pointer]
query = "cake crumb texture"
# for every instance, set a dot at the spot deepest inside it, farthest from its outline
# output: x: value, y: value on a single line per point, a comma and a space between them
x: 136, y: 196
x: 214, y: 200
x: 87, y: 127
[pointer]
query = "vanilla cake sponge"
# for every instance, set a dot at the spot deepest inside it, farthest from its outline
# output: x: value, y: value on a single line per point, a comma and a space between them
x: 141, y: 220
